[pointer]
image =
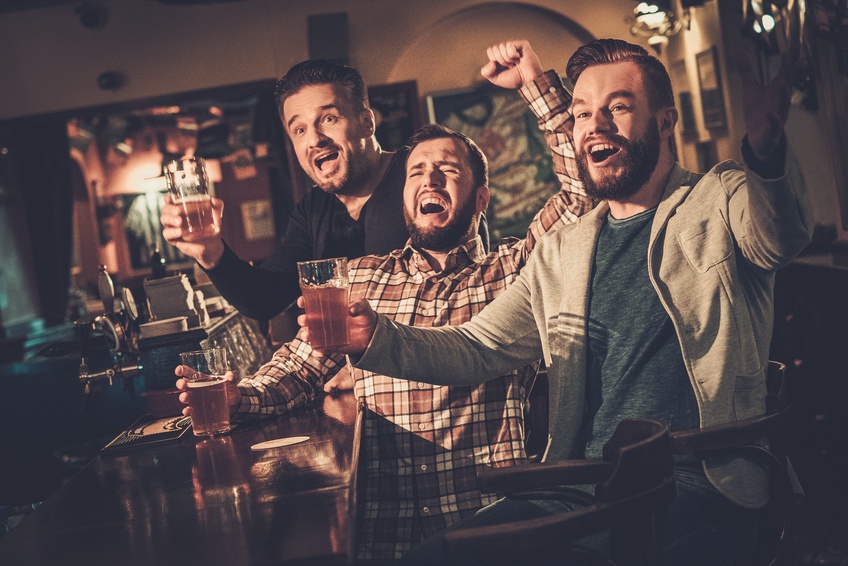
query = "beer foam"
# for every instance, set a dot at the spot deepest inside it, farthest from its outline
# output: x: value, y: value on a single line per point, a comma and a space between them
x: 191, y: 198
x: 199, y: 384
x: 279, y: 443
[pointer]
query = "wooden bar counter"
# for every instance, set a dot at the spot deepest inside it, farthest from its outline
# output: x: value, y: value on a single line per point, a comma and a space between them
x: 208, y: 501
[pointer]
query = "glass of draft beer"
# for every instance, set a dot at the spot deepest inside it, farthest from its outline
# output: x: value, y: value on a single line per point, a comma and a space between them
x: 188, y: 184
x: 207, y: 389
x: 324, y: 284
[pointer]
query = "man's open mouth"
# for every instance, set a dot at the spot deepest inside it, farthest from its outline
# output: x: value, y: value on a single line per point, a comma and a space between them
x: 324, y: 159
x: 602, y: 151
x: 432, y: 205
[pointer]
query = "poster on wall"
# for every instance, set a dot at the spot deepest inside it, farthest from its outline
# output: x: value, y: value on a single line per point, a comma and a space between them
x: 396, y: 111
x: 709, y: 79
x: 521, y: 175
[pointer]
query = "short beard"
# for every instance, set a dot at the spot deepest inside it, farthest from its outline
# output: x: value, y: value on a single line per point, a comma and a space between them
x: 640, y: 159
x: 447, y: 237
x: 355, y: 175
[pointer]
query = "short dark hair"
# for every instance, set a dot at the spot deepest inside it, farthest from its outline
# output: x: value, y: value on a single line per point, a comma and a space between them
x: 479, y: 163
x: 602, y: 51
x: 320, y: 72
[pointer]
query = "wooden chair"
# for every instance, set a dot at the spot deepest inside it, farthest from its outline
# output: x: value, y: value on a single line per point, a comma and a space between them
x: 774, y: 521
x: 634, y: 484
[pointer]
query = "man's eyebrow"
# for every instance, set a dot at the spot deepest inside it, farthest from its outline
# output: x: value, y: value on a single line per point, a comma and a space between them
x: 630, y: 95
x: 322, y: 108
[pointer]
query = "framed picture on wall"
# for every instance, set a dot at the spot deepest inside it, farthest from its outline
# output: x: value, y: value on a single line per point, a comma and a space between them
x: 397, y: 112
x: 521, y: 176
x: 709, y: 79
x: 683, y: 91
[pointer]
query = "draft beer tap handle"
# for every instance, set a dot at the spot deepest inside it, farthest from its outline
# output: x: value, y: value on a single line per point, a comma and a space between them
x: 106, y: 288
x: 83, y: 335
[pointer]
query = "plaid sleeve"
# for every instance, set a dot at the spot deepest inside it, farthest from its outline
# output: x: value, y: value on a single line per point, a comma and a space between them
x: 291, y: 379
x: 549, y: 100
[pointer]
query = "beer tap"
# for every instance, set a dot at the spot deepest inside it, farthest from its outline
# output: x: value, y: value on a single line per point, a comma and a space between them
x: 115, y: 330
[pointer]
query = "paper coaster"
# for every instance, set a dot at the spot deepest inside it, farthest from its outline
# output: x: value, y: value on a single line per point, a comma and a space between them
x: 279, y: 442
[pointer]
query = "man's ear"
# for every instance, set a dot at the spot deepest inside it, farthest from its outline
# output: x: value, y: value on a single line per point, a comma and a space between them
x: 666, y: 121
x: 483, y: 198
x: 368, y: 121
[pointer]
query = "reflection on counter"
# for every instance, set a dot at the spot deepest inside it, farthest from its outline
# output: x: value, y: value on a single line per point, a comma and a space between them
x: 59, y: 428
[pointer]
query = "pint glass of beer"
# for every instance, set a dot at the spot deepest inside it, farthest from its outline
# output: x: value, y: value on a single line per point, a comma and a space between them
x: 188, y: 184
x: 324, y: 284
x: 207, y: 390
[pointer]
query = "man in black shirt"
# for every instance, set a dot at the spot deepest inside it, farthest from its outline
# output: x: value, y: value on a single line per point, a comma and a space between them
x: 354, y: 209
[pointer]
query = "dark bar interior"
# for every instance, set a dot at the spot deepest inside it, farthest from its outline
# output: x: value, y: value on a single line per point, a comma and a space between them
x: 96, y: 96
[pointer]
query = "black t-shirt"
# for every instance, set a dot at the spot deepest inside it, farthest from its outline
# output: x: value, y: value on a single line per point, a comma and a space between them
x: 319, y: 227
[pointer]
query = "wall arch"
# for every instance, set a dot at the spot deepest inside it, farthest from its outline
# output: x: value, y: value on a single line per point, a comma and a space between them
x: 448, y: 54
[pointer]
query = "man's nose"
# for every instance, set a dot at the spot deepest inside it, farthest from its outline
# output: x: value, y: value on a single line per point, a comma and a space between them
x: 316, y: 137
x: 433, y: 178
x: 601, y: 121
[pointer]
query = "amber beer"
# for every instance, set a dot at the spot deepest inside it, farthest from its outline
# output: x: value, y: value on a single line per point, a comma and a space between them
x: 207, y: 390
x: 324, y: 284
x: 199, y: 222
x: 326, y: 316
x: 210, y: 411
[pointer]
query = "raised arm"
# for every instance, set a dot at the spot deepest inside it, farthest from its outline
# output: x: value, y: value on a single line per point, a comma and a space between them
x: 770, y: 217
x: 514, y: 65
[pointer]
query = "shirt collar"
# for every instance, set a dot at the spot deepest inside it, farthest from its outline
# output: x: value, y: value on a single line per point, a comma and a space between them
x: 458, y: 258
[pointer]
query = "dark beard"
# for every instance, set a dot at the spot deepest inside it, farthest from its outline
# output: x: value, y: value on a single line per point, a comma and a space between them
x: 640, y: 160
x: 357, y: 173
x: 446, y: 238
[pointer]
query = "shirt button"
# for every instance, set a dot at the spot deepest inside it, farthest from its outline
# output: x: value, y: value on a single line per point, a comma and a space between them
x: 426, y: 510
x: 423, y: 467
x: 552, y: 89
x: 422, y: 426
x: 422, y: 385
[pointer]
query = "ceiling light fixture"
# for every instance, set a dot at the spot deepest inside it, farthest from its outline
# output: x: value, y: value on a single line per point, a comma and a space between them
x: 657, y: 20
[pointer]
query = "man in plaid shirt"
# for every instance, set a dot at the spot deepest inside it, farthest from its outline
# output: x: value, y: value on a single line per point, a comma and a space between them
x: 424, y: 444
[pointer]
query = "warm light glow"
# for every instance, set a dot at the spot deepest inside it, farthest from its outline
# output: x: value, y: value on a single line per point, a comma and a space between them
x: 768, y: 22
x: 645, y: 8
x: 651, y: 20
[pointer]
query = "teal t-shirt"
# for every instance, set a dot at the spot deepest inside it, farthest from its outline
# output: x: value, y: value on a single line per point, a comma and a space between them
x: 635, y: 366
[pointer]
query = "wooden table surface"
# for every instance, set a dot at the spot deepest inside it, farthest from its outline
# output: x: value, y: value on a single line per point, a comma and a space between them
x: 208, y: 501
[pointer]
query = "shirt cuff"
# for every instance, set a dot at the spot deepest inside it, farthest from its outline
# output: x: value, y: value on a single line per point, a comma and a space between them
x: 546, y: 95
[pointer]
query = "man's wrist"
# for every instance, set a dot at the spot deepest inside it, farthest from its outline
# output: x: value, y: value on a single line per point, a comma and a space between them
x: 211, y: 256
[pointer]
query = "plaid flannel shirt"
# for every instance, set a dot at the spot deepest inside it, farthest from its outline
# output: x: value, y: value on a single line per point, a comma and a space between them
x: 423, y: 444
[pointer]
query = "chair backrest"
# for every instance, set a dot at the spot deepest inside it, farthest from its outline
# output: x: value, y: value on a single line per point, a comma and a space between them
x: 746, y: 437
x: 634, y: 486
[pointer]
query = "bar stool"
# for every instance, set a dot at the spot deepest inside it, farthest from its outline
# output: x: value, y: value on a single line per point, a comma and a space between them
x: 634, y: 484
x: 763, y: 438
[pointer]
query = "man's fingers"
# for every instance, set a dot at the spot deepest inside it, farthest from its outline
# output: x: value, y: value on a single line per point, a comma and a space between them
x: 172, y: 234
x: 503, y: 54
x: 358, y: 307
x: 489, y: 70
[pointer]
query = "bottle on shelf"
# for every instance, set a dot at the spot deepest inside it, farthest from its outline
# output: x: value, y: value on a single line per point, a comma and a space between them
x: 158, y: 268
